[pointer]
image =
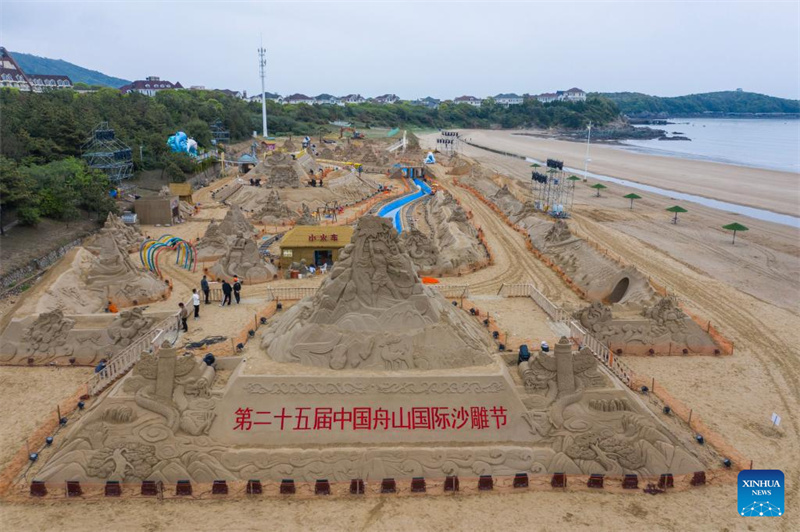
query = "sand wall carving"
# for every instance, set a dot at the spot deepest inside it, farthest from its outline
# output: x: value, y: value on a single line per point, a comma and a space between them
x: 129, y: 237
x: 663, y: 327
x: 54, y: 337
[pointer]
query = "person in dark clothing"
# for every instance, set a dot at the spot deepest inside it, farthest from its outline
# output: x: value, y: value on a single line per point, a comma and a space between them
x: 226, y: 293
x: 205, y: 288
x: 237, y: 287
x: 184, y: 315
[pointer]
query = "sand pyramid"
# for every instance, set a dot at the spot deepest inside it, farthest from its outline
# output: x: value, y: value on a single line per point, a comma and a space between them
x: 374, y: 312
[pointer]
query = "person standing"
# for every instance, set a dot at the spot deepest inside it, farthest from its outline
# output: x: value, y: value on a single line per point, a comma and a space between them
x: 196, y: 303
x: 205, y: 288
x: 226, y: 293
x: 237, y: 287
x: 183, y: 315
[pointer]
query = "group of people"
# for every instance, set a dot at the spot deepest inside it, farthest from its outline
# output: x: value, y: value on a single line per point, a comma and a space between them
x: 229, y: 292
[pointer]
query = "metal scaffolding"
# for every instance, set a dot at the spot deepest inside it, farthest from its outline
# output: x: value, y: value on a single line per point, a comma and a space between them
x: 219, y: 133
x: 104, y: 152
x: 552, y: 191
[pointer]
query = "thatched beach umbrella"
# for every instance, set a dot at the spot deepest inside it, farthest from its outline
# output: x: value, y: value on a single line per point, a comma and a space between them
x: 599, y: 187
x: 573, y: 178
x: 632, y: 197
x: 676, y: 209
x: 735, y: 227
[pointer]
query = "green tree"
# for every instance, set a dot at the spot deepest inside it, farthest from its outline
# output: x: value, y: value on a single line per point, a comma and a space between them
x: 16, y: 192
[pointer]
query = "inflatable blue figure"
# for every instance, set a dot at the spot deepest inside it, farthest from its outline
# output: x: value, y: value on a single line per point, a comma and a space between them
x: 180, y: 143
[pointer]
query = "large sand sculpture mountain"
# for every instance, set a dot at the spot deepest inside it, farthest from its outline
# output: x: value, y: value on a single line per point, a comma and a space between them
x: 373, y: 312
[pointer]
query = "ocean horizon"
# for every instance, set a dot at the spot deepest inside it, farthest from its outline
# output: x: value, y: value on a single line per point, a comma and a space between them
x: 768, y: 143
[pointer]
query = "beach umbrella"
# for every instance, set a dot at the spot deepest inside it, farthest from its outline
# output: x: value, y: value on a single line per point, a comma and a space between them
x: 735, y: 227
x: 573, y: 178
x: 632, y: 197
x: 599, y: 187
x: 676, y: 209
x: 536, y: 165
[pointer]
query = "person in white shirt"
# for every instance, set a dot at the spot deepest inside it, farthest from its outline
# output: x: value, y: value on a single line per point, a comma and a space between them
x: 196, y: 303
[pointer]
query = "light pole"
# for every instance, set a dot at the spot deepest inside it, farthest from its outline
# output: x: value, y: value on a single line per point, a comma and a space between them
x: 586, y: 160
x: 262, y: 66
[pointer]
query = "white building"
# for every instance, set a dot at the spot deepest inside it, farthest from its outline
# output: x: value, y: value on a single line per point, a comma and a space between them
x: 327, y: 99
x: 572, y: 95
x: 11, y: 75
x: 353, y: 98
x: 469, y: 100
x: 508, y: 99
x: 299, y: 98
x: 150, y: 86
x: 270, y: 96
x: 386, y: 99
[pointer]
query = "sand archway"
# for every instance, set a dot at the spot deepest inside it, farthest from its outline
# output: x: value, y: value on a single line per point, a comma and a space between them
x: 619, y: 291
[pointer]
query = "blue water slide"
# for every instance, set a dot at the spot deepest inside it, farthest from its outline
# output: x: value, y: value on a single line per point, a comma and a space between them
x: 392, y: 210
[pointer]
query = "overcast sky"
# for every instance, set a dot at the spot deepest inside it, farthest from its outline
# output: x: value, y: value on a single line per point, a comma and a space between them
x: 417, y: 49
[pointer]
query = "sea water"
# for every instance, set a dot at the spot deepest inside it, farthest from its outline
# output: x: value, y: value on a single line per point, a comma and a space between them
x: 771, y: 143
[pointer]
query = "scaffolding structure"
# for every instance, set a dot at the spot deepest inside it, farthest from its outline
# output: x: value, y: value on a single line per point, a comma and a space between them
x: 552, y: 191
x: 103, y: 151
x: 447, y: 142
x: 219, y: 133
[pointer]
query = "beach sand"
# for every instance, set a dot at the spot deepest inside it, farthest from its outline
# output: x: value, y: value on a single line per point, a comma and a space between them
x: 765, y: 189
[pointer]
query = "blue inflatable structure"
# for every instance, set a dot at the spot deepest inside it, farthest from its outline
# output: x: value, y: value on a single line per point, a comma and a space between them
x: 181, y: 143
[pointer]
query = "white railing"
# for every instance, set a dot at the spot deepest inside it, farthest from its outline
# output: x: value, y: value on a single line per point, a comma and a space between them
x: 555, y: 312
x: 123, y: 361
x: 578, y: 334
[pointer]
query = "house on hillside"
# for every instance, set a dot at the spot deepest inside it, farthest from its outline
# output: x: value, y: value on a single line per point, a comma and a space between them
x: 427, y: 102
x: 12, y: 75
x: 386, y: 99
x: 547, y: 97
x: 508, y: 99
x: 299, y: 98
x: 150, y: 86
x: 277, y: 98
x: 469, y: 100
x: 572, y: 95
x: 353, y: 98
x: 327, y: 99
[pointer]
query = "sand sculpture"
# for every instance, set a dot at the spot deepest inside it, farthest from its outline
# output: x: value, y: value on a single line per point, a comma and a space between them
x: 55, y: 337
x: 374, y: 290
x: 326, y: 153
x: 273, y: 210
x: 375, y: 376
x: 662, y: 327
x: 91, y: 281
x: 219, y: 237
x: 306, y: 218
x: 452, y: 244
x: 279, y: 170
x: 289, y: 146
x: 243, y: 260
x: 129, y: 237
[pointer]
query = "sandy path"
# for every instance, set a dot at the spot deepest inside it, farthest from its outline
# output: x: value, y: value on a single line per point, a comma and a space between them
x: 766, y: 189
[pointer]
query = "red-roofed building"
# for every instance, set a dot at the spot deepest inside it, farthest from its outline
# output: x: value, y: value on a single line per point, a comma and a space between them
x: 150, y: 86
x: 11, y: 75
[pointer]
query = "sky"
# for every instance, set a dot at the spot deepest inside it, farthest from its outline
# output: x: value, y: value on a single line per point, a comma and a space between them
x: 424, y: 48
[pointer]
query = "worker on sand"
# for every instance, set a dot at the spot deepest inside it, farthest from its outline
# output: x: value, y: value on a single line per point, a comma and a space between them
x: 112, y: 308
x: 237, y: 287
x: 183, y: 315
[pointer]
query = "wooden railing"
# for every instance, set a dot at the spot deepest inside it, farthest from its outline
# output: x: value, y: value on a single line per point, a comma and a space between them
x: 290, y: 293
x: 453, y: 291
x: 118, y: 366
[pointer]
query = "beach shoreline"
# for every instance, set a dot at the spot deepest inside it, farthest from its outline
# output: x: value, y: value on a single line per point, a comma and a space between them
x: 723, y: 182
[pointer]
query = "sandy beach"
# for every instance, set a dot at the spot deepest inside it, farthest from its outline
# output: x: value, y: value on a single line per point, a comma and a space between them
x: 765, y: 189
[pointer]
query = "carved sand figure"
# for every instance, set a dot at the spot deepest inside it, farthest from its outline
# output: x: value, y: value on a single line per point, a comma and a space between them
x: 220, y: 236
x: 244, y: 261
x: 306, y: 218
x: 129, y: 237
x: 273, y: 210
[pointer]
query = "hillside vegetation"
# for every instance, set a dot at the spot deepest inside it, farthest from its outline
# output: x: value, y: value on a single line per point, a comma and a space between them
x: 635, y: 104
x: 33, y: 64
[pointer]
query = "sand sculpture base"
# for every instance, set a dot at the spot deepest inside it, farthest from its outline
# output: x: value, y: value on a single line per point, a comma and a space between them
x: 245, y: 262
x: 375, y: 376
x: 219, y: 237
